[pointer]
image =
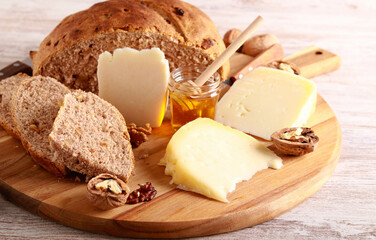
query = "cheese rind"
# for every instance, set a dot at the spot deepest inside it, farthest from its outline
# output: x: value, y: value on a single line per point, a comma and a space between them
x: 135, y: 82
x: 267, y: 100
x: 208, y: 158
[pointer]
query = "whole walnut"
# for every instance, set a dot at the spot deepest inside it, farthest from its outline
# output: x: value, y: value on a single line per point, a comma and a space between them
x: 231, y: 35
x: 259, y: 43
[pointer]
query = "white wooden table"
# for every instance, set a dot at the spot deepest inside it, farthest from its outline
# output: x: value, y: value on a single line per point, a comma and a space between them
x: 345, y: 208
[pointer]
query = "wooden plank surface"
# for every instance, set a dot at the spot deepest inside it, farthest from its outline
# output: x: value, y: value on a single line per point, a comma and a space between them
x: 344, y: 208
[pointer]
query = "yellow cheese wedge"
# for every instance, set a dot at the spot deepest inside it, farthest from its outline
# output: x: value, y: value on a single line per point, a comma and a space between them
x: 267, y: 100
x: 135, y: 82
x: 208, y: 158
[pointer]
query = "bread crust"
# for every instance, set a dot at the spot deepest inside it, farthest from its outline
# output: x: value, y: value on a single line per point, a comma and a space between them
x: 6, y: 120
x: 174, y: 19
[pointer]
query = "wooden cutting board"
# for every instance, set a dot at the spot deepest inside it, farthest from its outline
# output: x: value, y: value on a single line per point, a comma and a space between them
x: 173, y: 213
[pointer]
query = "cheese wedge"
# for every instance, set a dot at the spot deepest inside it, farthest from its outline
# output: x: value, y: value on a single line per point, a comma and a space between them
x: 208, y: 158
x: 135, y: 82
x: 267, y: 100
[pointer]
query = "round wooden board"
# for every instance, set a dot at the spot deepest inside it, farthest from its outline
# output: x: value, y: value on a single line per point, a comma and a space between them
x: 173, y: 213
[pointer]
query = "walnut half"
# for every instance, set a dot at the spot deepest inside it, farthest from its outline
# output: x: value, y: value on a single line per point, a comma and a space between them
x: 295, y: 141
x: 106, y: 191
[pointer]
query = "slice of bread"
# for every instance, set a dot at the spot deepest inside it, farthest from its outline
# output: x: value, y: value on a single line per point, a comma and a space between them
x: 90, y: 136
x: 35, y: 105
x: 7, y: 87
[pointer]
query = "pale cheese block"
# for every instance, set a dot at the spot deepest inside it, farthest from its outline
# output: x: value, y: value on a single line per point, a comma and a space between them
x: 209, y: 158
x: 135, y: 82
x: 267, y: 100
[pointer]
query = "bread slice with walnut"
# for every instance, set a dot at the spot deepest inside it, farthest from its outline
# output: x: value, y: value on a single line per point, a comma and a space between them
x: 183, y: 32
x: 7, y: 87
x: 35, y: 105
x: 90, y: 136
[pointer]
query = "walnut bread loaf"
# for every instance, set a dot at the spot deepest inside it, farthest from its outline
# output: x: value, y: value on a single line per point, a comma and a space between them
x: 35, y: 105
x: 70, y: 52
x: 7, y: 87
x: 90, y: 137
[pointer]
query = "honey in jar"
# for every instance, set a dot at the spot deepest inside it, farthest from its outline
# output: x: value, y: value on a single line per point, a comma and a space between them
x: 189, y: 101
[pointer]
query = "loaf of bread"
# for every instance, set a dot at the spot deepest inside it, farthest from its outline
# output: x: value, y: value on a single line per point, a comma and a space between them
x: 184, y: 33
x: 7, y: 87
x: 90, y: 136
x: 35, y: 105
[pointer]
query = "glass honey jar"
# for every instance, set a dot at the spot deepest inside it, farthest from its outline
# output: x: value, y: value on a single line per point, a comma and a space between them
x: 189, y: 101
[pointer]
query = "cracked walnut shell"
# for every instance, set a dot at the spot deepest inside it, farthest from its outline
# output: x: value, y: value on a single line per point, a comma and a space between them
x: 106, y: 191
x: 295, y: 141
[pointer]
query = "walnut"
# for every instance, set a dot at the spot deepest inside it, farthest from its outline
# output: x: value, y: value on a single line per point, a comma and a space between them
x: 231, y: 35
x: 106, y: 191
x: 295, y: 141
x: 285, y: 66
x: 145, y: 193
x: 138, y: 134
x: 258, y: 44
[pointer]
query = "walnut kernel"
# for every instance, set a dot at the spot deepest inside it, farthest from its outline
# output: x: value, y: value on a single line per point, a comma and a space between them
x: 109, y: 185
x: 138, y: 135
x: 80, y: 98
x: 34, y: 127
x: 145, y: 193
x: 285, y: 66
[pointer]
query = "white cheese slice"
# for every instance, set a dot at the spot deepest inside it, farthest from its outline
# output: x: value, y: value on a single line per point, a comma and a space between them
x: 208, y: 158
x: 135, y: 82
x: 267, y: 100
